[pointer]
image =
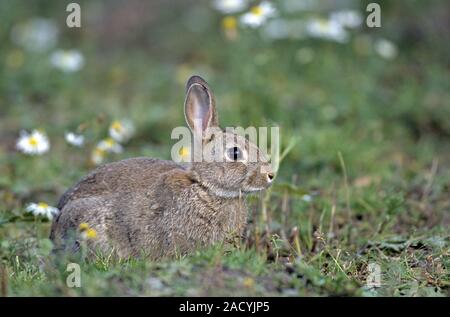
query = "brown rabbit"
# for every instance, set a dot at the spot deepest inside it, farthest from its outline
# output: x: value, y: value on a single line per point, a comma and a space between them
x: 156, y: 208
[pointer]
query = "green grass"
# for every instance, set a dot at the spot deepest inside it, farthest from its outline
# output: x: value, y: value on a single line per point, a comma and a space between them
x: 368, y: 140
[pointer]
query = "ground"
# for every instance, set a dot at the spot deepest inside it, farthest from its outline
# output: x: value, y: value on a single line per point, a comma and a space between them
x: 362, y: 187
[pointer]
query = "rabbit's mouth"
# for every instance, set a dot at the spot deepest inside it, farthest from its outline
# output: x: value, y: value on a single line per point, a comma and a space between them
x: 234, y: 193
x: 253, y: 190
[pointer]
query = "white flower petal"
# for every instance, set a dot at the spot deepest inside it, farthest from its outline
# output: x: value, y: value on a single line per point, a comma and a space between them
x: 110, y: 145
x: 37, y: 35
x: 347, y: 18
x: 258, y: 15
x: 67, y: 60
x: 327, y: 29
x: 74, y: 139
x: 386, y: 49
x: 252, y: 20
x: 229, y: 6
x: 35, y: 143
x: 268, y: 9
x: 42, y: 209
x: 121, y: 130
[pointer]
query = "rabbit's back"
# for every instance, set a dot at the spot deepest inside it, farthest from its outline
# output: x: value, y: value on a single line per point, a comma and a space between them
x: 122, y: 176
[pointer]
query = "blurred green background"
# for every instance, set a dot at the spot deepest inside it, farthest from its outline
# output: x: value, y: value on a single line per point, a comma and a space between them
x: 363, y: 115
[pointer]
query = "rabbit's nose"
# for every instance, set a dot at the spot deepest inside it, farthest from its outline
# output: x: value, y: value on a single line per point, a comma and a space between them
x: 270, y: 177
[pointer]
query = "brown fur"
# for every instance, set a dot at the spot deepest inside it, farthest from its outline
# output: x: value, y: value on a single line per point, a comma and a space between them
x: 155, y: 208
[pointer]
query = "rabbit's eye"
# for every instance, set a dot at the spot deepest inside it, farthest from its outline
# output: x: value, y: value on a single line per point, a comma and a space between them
x: 234, y: 153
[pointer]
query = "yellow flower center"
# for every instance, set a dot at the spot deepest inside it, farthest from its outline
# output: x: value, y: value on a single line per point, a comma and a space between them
x: 33, y: 141
x: 116, y: 125
x: 229, y: 23
x: 66, y: 58
x: 184, y: 152
x: 83, y: 226
x: 99, y: 152
x: 256, y: 10
x: 42, y: 205
x: 323, y: 24
x: 248, y: 282
x: 91, y: 233
x: 109, y: 142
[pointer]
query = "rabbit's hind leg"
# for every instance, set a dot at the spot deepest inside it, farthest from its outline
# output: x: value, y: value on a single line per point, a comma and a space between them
x: 83, y: 222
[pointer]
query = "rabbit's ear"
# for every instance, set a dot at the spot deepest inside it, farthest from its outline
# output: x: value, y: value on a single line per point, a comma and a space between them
x: 199, y: 106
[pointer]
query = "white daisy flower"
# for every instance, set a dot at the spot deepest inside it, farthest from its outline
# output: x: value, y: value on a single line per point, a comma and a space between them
x: 386, y: 49
x: 42, y: 209
x: 259, y: 14
x: 37, y: 35
x: 229, y: 6
x: 74, y: 139
x: 347, y: 18
x: 34, y: 143
x: 121, y: 130
x: 98, y: 156
x: 110, y: 145
x: 67, y: 60
x: 327, y: 29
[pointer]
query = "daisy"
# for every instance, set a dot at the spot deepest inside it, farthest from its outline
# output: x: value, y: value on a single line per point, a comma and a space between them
x: 386, y: 49
x: 86, y: 231
x: 185, y: 154
x: 109, y: 145
x: 74, y: 139
x: 35, y: 143
x: 307, y: 198
x: 37, y: 35
x: 229, y: 26
x: 347, y: 18
x: 121, y: 130
x: 327, y: 29
x: 98, y: 156
x: 89, y: 234
x: 68, y: 61
x: 229, y: 6
x: 42, y: 209
x: 83, y: 226
x: 259, y: 14
x: 229, y: 23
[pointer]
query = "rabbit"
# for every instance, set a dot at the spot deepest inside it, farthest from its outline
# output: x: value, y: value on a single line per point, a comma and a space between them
x: 161, y: 209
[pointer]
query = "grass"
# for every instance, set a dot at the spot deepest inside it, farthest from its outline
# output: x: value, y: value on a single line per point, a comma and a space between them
x: 364, y: 178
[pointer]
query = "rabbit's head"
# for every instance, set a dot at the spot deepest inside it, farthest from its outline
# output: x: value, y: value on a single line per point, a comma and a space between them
x: 226, y: 163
